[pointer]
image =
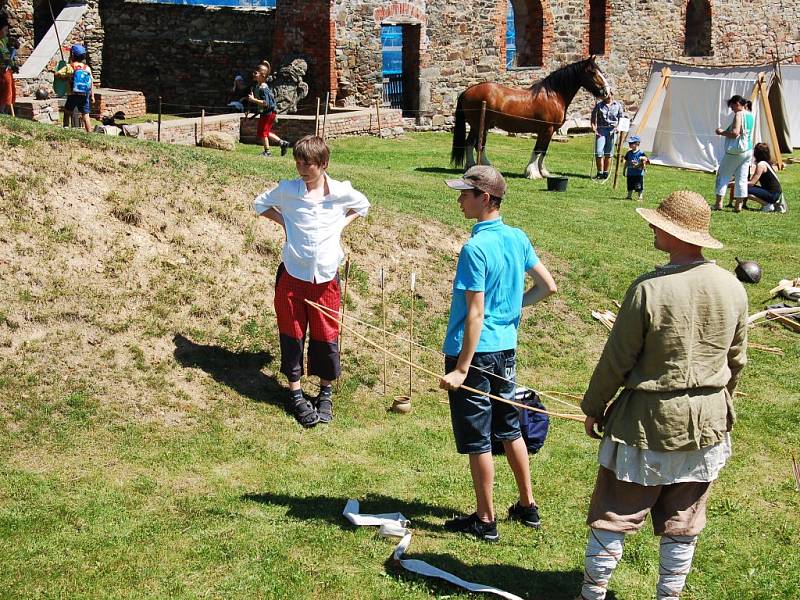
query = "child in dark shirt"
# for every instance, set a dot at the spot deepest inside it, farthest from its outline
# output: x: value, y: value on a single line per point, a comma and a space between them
x: 264, y: 101
x: 635, y: 162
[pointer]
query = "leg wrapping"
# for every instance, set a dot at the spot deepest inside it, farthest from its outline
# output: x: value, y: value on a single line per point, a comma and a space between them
x: 603, y: 553
x: 677, y: 552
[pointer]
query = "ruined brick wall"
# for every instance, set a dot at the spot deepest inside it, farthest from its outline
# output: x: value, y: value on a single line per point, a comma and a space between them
x: 305, y: 29
x: 198, y: 48
x: 188, y: 53
x: 464, y: 43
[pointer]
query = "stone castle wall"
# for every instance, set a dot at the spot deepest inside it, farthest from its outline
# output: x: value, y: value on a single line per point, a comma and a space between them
x: 196, y: 50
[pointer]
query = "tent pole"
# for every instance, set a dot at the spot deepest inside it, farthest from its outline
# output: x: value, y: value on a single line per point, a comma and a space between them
x: 773, y: 135
x: 616, y: 163
x: 662, y: 86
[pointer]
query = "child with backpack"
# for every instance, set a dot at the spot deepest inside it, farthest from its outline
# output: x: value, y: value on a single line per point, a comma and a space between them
x: 266, y: 109
x: 81, y: 93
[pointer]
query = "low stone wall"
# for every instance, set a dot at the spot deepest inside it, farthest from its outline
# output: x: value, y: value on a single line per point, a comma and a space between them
x: 43, y: 111
x: 187, y: 132
x: 340, y: 122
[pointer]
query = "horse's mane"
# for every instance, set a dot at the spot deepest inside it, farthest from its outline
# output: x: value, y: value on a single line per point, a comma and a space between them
x: 563, y: 77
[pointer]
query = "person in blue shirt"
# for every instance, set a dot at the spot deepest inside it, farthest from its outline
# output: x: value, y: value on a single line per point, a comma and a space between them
x: 635, y: 162
x: 605, y: 120
x: 480, y: 347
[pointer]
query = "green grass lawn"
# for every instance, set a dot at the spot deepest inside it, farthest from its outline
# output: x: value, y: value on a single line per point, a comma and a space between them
x: 144, y: 472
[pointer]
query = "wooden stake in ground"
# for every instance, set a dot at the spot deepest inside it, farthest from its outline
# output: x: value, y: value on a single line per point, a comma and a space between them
x: 325, y: 117
x: 383, y: 319
x: 378, y: 114
x: 341, y: 319
x: 158, y: 135
x: 411, y: 335
x: 202, y: 122
x: 622, y: 137
x: 316, y: 119
x: 481, y: 141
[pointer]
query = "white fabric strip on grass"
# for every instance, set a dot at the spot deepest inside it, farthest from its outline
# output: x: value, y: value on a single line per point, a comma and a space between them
x: 396, y: 525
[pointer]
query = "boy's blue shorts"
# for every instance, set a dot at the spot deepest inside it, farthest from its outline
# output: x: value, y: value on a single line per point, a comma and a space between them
x: 79, y: 101
x: 477, y: 419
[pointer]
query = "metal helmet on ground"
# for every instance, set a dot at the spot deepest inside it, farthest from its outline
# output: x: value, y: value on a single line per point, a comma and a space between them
x: 748, y: 271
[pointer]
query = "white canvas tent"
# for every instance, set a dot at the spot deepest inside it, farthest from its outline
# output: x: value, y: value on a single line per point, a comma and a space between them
x: 684, y: 104
x: 790, y: 75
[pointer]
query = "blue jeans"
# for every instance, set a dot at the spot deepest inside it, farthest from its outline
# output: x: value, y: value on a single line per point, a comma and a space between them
x: 475, y: 417
x: 763, y: 194
x: 604, y: 141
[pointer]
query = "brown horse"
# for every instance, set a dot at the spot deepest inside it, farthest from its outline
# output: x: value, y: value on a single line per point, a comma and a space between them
x: 540, y: 109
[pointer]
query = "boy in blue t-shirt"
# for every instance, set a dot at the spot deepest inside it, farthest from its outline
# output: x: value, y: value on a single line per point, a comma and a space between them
x: 635, y: 162
x: 480, y: 347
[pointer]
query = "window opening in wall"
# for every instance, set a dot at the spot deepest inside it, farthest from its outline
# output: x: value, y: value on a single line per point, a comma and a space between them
x: 511, y: 38
x: 392, y: 53
x: 597, y: 26
x: 697, y: 41
x: 42, y: 19
x: 528, y: 18
x: 240, y: 3
x: 400, y: 43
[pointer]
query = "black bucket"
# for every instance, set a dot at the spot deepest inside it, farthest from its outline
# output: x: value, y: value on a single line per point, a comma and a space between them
x: 557, y: 184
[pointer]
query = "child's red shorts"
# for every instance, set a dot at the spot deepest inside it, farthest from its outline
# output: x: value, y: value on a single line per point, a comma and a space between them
x: 264, y: 126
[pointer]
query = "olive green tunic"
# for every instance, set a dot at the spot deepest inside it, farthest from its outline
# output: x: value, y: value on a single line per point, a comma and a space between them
x: 677, y: 347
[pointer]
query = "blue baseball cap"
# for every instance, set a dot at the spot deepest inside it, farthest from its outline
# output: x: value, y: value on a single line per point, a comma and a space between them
x: 634, y: 139
x: 77, y: 50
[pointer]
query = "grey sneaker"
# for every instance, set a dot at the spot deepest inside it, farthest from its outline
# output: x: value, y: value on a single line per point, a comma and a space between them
x: 781, y: 206
x: 266, y: 154
x: 768, y: 208
x: 472, y: 525
x: 527, y: 515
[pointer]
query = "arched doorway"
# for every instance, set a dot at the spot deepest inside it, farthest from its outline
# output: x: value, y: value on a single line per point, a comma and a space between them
x: 401, y: 39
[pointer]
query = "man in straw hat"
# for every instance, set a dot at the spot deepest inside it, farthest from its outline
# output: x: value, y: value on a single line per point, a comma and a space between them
x: 677, y: 348
x: 480, y: 345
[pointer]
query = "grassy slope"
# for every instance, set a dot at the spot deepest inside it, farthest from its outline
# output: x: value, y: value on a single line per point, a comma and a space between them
x: 143, y: 447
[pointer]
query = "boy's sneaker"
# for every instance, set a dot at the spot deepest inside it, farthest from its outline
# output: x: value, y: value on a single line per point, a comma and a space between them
x: 324, y: 404
x: 472, y: 525
x: 302, y: 410
x: 527, y: 515
x: 285, y: 147
x: 266, y: 154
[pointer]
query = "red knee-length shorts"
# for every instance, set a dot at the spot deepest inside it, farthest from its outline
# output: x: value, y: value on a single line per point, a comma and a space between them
x: 295, y: 317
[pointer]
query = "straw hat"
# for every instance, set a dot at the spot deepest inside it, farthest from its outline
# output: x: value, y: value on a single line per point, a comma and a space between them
x: 685, y: 215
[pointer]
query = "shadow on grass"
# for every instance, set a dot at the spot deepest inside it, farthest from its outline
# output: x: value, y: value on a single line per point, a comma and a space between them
x: 526, y: 583
x: 457, y: 171
x: 329, y: 508
x: 577, y: 175
x: 240, y: 371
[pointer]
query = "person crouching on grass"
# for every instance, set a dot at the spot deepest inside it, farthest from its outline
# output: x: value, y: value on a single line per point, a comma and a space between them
x: 266, y: 108
x: 313, y: 210
x: 480, y: 347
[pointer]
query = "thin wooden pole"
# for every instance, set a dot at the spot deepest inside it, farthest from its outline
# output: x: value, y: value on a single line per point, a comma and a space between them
x: 480, y: 132
x: 325, y: 117
x: 622, y: 136
x: 158, y: 135
x: 773, y: 135
x: 316, y: 119
x: 662, y: 86
x: 438, y: 376
x: 378, y: 112
x: 383, y: 318
x: 341, y: 317
x: 202, y: 122
x: 411, y: 335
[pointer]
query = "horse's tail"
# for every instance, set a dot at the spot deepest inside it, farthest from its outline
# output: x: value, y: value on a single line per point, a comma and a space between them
x: 459, y: 150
